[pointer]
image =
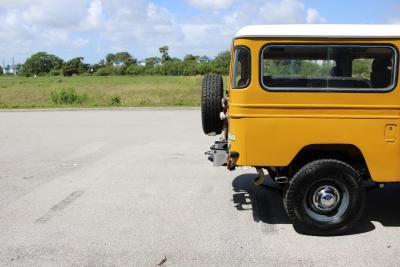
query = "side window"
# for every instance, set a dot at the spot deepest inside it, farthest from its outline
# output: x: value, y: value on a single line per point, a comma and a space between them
x: 329, y: 67
x: 241, y: 68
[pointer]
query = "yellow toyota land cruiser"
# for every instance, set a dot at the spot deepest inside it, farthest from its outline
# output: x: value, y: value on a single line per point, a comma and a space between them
x: 318, y: 107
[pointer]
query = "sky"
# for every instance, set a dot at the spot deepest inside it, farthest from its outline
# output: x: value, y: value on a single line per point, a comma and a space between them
x: 93, y: 28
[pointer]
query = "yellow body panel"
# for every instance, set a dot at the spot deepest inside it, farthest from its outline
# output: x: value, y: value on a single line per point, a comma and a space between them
x: 271, y: 128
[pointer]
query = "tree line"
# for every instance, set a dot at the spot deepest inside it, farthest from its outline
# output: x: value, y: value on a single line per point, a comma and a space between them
x: 123, y: 63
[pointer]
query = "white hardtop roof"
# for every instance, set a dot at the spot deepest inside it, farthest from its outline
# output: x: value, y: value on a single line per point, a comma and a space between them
x: 321, y: 30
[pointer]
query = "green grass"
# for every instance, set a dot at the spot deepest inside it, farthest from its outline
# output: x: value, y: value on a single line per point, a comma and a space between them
x: 112, y: 91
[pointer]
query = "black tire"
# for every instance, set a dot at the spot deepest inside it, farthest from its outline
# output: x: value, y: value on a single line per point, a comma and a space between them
x: 211, y: 103
x: 313, y: 214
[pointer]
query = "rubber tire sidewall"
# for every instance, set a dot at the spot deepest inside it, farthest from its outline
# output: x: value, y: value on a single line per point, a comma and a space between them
x: 309, y: 175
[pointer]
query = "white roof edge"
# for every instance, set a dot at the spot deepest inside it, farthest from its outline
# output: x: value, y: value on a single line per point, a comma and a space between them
x: 321, y: 30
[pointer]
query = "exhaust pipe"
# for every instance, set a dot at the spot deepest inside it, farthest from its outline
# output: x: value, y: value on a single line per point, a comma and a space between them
x: 281, y: 180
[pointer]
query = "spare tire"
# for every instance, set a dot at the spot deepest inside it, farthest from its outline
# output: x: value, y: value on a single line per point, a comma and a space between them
x: 211, y: 103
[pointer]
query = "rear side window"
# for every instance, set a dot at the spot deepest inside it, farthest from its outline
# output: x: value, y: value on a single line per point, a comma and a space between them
x: 329, y: 67
x: 241, y: 68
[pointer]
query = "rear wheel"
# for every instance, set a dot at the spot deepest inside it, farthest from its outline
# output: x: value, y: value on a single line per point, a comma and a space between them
x: 211, y: 103
x: 325, y: 197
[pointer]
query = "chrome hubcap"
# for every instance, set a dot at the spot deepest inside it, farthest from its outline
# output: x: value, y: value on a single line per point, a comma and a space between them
x: 325, y: 201
x: 326, y: 198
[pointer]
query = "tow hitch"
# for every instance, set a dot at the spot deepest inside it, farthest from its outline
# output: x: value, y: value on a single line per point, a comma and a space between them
x: 218, y: 153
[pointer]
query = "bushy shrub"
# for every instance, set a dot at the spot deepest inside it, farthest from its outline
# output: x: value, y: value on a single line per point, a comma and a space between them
x: 115, y: 101
x: 119, y: 70
x: 157, y: 70
x: 67, y: 96
x: 135, y: 70
x: 205, y: 67
x: 55, y: 72
x: 105, y: 71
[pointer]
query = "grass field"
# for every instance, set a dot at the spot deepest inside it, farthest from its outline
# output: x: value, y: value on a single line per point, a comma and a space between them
x: 123, y: 91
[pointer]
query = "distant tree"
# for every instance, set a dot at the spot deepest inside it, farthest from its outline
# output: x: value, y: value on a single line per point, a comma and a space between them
x: 119, y: 62
x: 164, y: 50
x: 122, y: 56
x: 75, y: 67
x: 151, y: 62
x: 41, y: 63
x: 130, y: 61
x: 191, y: 58
x: 204, y: 59
x: 1, y: 70
x: 94, y: 68
x: 222, y: 61
x: 110, y: 59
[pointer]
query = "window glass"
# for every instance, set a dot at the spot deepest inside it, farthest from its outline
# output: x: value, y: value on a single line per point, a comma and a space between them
x: 241, y: 68
x: 362, y: 68
x: 306, y: 68
x: 338, y: 67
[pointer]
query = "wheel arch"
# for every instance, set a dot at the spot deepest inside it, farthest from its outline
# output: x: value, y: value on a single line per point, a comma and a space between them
x: 347, y: 153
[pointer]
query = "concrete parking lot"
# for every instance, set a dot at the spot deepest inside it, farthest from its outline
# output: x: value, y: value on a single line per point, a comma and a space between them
x: 133, y: 188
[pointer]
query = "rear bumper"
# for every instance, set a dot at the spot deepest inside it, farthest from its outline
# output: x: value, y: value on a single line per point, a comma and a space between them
x: 220, y: 155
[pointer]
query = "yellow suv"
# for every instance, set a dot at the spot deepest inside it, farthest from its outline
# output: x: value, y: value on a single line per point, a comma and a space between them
x: 318, y: 107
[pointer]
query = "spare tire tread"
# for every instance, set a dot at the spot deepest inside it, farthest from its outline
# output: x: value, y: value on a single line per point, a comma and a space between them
x: 211, y: 103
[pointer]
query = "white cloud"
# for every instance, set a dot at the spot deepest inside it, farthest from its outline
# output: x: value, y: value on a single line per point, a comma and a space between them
x: 274, y: 12
x: 314, y: 17
x: 94, y: 14
x: 217, y: 33
x: 53, y: 14
x: 212, y: 5
x: 92, y: 28
x: 138, y: 25
x: 31, y: 26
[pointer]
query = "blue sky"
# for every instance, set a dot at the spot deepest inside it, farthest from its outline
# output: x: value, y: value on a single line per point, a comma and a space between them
x: 92, y: 28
